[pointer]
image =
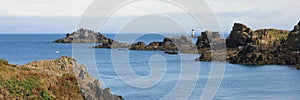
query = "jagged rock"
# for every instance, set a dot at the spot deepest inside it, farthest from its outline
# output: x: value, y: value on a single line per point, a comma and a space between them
x: 293, y: 40
x: 83, y: 36
x: 138, y: 46
x: 182, y: 44
x: 239, y: 36
x: 205, y: 56
x: 81, y: 74
x: 154, y: 46
x: 210, y: 40
x: 260, y: 47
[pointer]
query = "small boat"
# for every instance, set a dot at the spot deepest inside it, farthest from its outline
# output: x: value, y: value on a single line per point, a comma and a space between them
x: 57, y: 51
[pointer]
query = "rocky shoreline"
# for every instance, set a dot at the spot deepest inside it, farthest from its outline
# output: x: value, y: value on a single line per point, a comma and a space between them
x: 182, y: 44
x: 170, y: 45
x: 260, y: 47
x: 243, y: 46
x: 61, y: 78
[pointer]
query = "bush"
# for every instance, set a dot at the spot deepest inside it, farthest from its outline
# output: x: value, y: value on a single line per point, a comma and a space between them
x: 26, y: 68
x: 45, y: 95
x: 22, y: 88
x: 5, y: 62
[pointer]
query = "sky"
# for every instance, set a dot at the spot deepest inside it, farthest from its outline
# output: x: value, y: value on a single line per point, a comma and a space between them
x: 62, y: 16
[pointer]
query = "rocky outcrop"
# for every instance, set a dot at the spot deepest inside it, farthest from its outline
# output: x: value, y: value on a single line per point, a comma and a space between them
x: 255, y: 55
x: 179, y: 44
x: 293, y: 40
x: 61, y: 78
x: 239, y: 36
x: 84, y: 36
x: 182, y: 44
x: 260, y: 47
x: 210, y: 41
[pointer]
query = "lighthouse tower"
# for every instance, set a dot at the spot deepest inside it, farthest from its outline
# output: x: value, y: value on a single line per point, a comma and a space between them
x: 193, y: 33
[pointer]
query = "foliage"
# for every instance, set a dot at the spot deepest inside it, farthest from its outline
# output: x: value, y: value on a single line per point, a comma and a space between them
x: 24, y: 83
x: 2, y: 61
x: 44, y: 95
x: 26, y: 68
x: 25, y: 87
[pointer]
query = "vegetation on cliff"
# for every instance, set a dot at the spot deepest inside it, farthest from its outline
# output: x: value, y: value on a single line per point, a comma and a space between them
x: 59, y: 79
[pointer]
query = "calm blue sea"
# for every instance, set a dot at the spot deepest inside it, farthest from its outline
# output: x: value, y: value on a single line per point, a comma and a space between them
x: 239, y: 81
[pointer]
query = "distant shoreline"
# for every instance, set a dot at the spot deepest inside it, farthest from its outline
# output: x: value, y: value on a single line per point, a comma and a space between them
x: 243, y: 45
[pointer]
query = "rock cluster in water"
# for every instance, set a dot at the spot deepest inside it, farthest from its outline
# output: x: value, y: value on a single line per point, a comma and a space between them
x: 181, y: 44
x: 260, y: 47
x: 84, y: 36
x: 209, y: 41
x: 243, y: 46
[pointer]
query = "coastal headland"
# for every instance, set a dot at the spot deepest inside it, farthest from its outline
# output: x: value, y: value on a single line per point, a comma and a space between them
x: 60, y: 79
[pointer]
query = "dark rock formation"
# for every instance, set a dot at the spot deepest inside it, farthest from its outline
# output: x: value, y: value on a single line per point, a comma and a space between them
x: 260, y: 47
x: 171, y: 52
x: 293, y: 40
x: 138, y: 46
x: 182, y: 44
x: 210, y: 41
x: 84, y: 36
x: 239, y: 36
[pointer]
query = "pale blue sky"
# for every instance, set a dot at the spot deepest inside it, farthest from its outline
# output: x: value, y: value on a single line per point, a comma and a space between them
x: 61, y: 16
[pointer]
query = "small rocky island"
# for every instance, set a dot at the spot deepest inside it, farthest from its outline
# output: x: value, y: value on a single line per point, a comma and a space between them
x: 243, y: 46
x: 84, y: 36
x: 58, y: 79
x: 259, y: 47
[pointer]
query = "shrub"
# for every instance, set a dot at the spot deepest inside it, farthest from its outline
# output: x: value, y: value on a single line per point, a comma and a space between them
x: 44, y: 95
x: 26, y: 68
x: 25, y: 87
x: 5, y: 62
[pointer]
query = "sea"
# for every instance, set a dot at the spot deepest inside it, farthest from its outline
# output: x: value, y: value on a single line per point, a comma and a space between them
x: 154, y: 75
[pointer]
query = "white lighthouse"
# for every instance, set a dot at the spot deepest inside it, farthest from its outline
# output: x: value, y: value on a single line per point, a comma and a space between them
x: 193, y: 33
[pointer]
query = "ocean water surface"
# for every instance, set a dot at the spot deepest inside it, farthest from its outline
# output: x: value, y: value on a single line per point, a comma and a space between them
x: 239, y: 81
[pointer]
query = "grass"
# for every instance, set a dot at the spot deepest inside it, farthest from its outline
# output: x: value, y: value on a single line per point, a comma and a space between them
x: 24, y: 88
x: 25, y: 68
x: 44, y: 95
x: 279, y: 34
x: 24, y: 83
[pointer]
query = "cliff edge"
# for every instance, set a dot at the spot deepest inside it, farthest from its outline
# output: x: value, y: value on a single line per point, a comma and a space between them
x: 61, y: 78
